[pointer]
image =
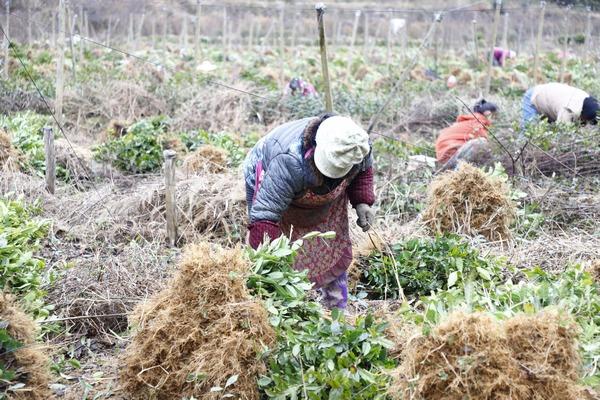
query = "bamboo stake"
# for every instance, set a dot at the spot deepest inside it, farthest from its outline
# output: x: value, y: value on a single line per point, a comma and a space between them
x: 366, y: 40
x: 108, y: 30
x: 29, y: 25
x: 50, y: 159
x: 282, y: 31
x: 130, y: 33
x: 140, y: 30
x: 6, y: 44
x: 588, y: 35
x: 355, y: 28
x: 251, y: 33
x: 293, y: 45
x: 184, y: 33
x: 505, y: 32
x: 60, y: 63
x: 53, y: 37
x: 488, y: 78
x: 563, y: 62
x: 389, y: 42
x: 224, y: 27
x: 165, y: 31
x: 170, y: 201
x: 197, y: 48
x: 475, y: 43
x: 320, y: 8
x: 72, y: 22
x: 538, y: 41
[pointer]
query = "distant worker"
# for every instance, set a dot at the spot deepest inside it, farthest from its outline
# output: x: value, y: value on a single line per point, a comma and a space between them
x: 299, y: 179
x: 467, y: 137
x: 300, y: 87
x: 558, y: 102
x: 501, y: 55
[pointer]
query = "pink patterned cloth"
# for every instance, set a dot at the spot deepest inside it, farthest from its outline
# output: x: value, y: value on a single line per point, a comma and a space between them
x: 259, y: 229
x: 325, y: 259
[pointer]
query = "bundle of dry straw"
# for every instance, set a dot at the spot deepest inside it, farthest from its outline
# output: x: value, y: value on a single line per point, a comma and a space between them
x: 468, y: 201
x: 202, y: 330
x: 9, y: 157
x: 29, y: 362
x: 528, y: 357
x: 207, y: 158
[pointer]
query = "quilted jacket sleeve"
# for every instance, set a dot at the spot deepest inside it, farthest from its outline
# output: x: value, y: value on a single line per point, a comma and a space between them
x: 283, y: 180
x: 361, y: 189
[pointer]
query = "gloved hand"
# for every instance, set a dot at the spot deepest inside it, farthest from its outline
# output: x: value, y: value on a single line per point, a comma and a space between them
x: 366, y: 216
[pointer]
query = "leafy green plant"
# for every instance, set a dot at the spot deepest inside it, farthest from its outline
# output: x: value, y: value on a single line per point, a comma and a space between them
x: 572, y: 290
x: 20, y: 271
x: 139, y: 150
x: 421, y: 266
x: 26, y: 132
x: 316, y: 357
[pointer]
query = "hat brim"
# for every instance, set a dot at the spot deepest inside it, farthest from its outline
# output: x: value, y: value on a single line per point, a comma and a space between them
x: 326, y: 168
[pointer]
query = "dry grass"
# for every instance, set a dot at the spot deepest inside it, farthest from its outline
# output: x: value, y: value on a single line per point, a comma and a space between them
x: 29, y: 363
x: 594, y: 270
x: 207, y: 158
x: 9, y: 157
x: 210, y: 206
x: 474, y: 355
x: 468, y: 201
x: 199, y: 331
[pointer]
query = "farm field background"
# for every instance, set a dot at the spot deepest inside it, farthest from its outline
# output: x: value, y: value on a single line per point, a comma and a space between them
x: 98, y: 301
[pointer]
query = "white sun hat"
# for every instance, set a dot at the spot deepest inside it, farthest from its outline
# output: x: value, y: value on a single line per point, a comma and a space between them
x: 341, y: 144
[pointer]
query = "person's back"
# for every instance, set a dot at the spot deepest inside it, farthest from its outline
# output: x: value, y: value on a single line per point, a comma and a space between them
x: 466, y: 128
x: 558, y: 101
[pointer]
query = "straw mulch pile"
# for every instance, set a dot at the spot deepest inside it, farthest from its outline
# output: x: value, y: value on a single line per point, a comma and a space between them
x: 209, y: 207
x: 9, y: 157
x: 29, y: 363
x: 206, y: 159
x: 468, y: 201
x: 474, y: 356
x: 594, y: 270
x: 200, y: 331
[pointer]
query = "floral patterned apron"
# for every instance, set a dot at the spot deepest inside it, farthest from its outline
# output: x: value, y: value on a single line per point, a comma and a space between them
x: 325, y: 259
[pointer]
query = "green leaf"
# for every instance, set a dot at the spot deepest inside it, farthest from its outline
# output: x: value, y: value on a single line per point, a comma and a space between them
x: 452, y: 278
x: 232, y: 380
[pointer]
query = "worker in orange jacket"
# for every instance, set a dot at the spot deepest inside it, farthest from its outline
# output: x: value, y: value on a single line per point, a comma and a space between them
x: 467, y: 135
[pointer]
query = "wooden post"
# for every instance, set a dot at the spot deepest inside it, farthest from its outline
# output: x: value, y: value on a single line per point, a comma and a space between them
x: 224, y: 27
x: 563, y: 61
x: 488, y: 78
x: 184, y: 32
x: 170, y: 189
x: 366, y: 40
x: 50, y: 159
x: 72, y: 22
x: 53, y: 33
x: 197, y: 30
x: 29, y: 25
x: 475, y: 43
x: 538, y: 42
x: 293, y: 44
x: 505, y: 32
x: 588, y: 35
x: 5, y: 39
x: 60, y: 63
x: 282, y: 30
x: 354, y: 29
x: 251, y: 33
x: 130, y: 33
x: 140, y: 31
x: 320, y: 7
x: 108, y: 30
x: 165, y: 30
x: 389, y: 41
x: 153, y: 31
x: 436, y: 41
x: 80, y: 26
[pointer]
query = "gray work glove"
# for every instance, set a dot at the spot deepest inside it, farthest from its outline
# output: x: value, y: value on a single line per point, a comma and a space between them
x: 366, y: 216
